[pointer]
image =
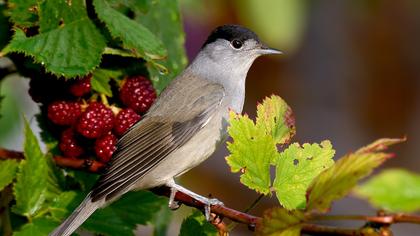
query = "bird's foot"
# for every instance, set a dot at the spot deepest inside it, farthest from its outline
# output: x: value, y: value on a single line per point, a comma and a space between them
x: 207, y: 208
x: 173, y: 205
x: 208, y: 202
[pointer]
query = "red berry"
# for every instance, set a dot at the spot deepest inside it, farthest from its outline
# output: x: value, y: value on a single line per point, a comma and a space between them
x: 105, y: 146
x: 124, y: 120
x: 138, y: 93
x: 64, y: 112
x: 81, y: 87
x: 69, y: 145
x: 96, y: 121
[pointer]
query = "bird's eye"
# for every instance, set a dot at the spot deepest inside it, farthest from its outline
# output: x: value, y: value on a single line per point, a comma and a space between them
x: 237, y: 44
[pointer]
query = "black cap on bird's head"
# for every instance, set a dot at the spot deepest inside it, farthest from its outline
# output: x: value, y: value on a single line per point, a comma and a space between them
x: 231, y: 32
x: 237, y: 35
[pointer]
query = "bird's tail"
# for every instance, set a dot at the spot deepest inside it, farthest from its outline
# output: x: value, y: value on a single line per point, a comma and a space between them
x: 82, y: 212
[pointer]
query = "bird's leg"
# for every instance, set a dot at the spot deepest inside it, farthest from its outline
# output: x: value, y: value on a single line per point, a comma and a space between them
x: 173, y: 205
x: 208, y: 202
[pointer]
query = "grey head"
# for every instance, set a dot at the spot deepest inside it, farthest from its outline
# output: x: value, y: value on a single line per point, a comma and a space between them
x: 228, y: 53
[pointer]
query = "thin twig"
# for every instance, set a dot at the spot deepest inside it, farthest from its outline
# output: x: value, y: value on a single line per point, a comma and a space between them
x: 380, y: 219
x: 320, y: 230
x: 74, y: 163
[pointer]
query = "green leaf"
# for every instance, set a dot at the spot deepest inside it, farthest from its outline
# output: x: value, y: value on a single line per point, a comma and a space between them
x: 161, y: 221
x: 276, y: 118
x: 250, y: 152
x: 100, y: 81
x: 72, y: 50
x: 8, y: 170
x: 121, y: 217
x: 134, y: 36
x: 84, y: 180
x: 339, y: 179
x: 197, y: 225
x: 393, y: 190
x: 23, y: 12
x: 64, y: 203
x: 281, y: 222
x: 296, y: 167
x: 38, y: 227
x: 140, y: 5
x: 164, y: 20
x: 53, y: 14
x: 31, y: 182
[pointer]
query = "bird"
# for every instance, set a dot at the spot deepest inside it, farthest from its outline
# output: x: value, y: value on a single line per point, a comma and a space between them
x: 184, y: 126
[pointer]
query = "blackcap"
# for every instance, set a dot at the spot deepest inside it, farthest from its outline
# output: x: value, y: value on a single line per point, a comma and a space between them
x: 184, y: 126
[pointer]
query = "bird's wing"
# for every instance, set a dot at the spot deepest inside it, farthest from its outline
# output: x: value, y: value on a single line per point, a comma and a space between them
x: 175, y: 119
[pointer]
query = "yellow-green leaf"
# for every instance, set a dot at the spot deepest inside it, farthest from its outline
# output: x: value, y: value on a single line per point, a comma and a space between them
x: 296, y: 167
x: 8, y: 170
x: 39, y: 227
x: 393, y: 190
x: 339, y: 179
x: 276, y: 118
x: 254, y: 148
x: 250, y: 153
x: 281, y: 222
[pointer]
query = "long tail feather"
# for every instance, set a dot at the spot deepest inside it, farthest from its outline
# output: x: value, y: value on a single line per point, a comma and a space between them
x: 82, y: 212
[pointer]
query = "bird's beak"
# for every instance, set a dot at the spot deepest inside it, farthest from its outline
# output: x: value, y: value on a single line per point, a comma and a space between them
x: 264, y: 50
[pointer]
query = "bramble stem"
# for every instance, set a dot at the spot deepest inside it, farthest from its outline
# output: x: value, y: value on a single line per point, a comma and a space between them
x: 73, y: 163
x: 380, y: 219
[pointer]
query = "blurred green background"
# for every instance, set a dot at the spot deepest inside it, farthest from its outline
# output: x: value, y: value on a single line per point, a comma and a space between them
x: 350, y: 71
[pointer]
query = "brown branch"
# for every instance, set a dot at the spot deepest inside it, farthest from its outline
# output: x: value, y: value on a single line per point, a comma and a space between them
x: 381, y: 218
x: 79, y: 164
x: 219, y: 211
x: 8, y: 154
x: 74, y: 163
x: 313, y: 229
x: 406, y: 218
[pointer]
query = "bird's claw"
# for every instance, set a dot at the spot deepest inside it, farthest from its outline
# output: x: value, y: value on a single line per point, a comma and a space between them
x: 172, y: 204
x: 207, y: 207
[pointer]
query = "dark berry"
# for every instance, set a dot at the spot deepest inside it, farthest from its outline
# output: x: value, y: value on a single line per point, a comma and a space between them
x: 81, y: 87
x: 138, y: 93
x: 124, y: 120
x: 95, y: 121
x: 64, y: 112
x: 105, y: 146
x: 69, y: 145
